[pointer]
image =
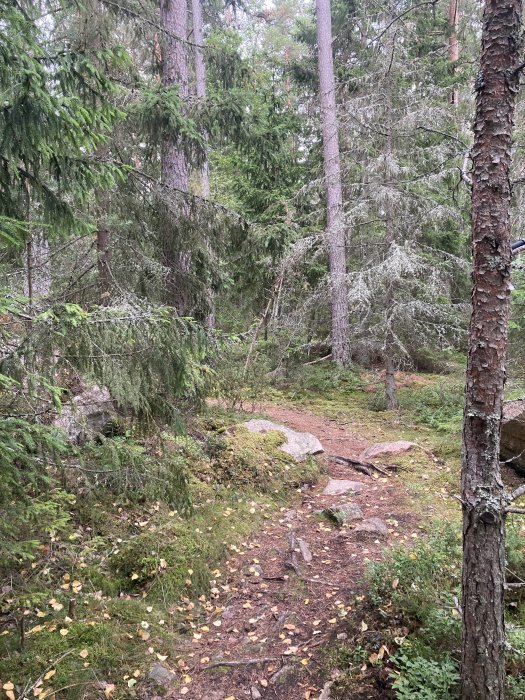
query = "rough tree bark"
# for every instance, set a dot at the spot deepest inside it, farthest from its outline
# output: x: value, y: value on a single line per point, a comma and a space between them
x: 200, y: 89
x: 483, y: 496
x: 174, y: 164
x: 200, y: 78
x: 389, y: 349
x: 334, y: 196
x: 453, y: 45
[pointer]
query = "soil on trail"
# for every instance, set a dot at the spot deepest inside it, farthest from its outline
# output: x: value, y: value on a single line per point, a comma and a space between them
x: 274, y: 602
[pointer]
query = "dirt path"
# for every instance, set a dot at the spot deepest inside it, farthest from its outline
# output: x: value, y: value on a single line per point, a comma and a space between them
x: 286, y: 614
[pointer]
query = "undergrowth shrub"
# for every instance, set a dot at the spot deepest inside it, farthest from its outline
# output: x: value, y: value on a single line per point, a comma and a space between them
x: 237, y: 384
x: 125, y: 467
x: 416, y: 579
x: 424, y: 679
x: 440, y: 406
x: 31, y: 505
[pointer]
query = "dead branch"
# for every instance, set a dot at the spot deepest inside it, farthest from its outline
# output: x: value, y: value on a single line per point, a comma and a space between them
x: 319, y: 359
x: 240, y: 662
x: 364, y: 467
x: 516, y: 494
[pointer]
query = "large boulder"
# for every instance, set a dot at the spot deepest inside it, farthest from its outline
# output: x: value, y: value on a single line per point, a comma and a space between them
x: 512, y: 446
x: 87, y: 415
x: 298, y: 445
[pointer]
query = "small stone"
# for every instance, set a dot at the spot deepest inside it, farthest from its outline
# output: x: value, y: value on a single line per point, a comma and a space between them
x: 342, y: 636
x: 371, y: 528
x: 305, y: 550
x: 325, y: 693
x: 162, y: 675
x: 343, y: 513
x: 228, y: 613
x: 255, y: 693
x: 338, y: 487
x: 282, y: 675
x: 290, y: 515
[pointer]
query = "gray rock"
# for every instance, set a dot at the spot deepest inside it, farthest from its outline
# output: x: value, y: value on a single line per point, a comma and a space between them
x: 283, y: 675
x: 343, y: 513
x: 162, y: 675
x: 386, y: 448
x: 305, y: 550
x: 290, y: 515
x: 88, y: 414
x: 371, y: 528
x: 325, y: 693
x: 512, y: 444
x: 338, y: 487
x: 298, y: 445
x: 255, y: 693
x: 228, y: 613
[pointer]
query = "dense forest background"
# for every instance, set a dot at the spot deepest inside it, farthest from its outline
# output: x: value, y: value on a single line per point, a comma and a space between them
x: 165, y: 248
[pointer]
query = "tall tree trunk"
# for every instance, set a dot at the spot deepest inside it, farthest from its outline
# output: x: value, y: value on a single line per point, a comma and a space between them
x: 334, y: 195
x: 38, y: 269
x: 200, y: 88
x: 95, y: 37
x: 103, y: 250
x: 200, y: 78
x: 453, y: 45
x: 483, y: 496
x: 390, y: 369
x: 174, y: 165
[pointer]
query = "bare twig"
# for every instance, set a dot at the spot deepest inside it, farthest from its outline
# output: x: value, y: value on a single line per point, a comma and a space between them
x: 516, y: 494
x: 364, y: 467
x: 241, y: 662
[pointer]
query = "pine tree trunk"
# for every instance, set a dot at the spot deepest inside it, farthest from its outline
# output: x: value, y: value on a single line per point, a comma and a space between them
x: 200, y: 88
x: 200, y: 78
x: 390, y: 369
x: 38, y: 269
x: 453, y: 45
x: 103, y: 252
x: 483, y: 498
x: 334, y: 195
x: 174, y: 165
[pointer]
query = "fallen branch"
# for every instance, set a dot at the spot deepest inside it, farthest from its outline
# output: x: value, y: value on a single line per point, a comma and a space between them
x: 319, y: 359
x: 240, y: 662
x: 364, y: 467
x: 520, y: 511
x: 516, y: 494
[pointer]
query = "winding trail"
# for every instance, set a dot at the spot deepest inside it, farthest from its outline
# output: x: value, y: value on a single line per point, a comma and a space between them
x: 271, y: 604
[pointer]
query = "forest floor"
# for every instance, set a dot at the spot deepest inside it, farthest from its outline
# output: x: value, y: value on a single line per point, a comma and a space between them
x: 278, y: 612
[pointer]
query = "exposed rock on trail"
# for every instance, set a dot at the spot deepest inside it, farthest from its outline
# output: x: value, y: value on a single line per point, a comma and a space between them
x: 339, y: 487
x: 298, y: 444
x: 387, y: 448
x: 289, y: 592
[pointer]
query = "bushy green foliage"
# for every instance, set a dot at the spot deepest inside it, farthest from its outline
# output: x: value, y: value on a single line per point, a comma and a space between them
x: 54, y: 114
x: 31, y: 505
x: 440, y: 406
x: 127, y: 468
x: 425, y: 573
x: 424, y: 679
